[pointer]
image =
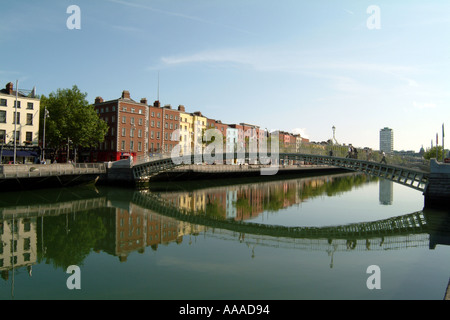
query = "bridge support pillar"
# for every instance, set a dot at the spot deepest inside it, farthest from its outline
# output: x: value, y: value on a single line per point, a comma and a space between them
x: 119, y: 173
x: 437, y: 192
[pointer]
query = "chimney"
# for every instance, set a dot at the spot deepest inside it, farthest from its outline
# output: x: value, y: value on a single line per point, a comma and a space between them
x: 144, y: 101
x: 9, y: 87
x: 167, y: 106
x: 126, y: 94
x: 181, y: 108
x: 157, y: 104
x: 98, y: 100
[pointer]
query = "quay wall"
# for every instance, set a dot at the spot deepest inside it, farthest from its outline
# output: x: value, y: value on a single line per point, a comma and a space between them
x: 437, y: 193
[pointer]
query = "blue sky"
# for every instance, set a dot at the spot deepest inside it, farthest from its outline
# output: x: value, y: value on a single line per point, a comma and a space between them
x: 299, y: 66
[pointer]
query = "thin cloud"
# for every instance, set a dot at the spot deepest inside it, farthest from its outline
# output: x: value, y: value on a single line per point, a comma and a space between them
x: 178, y: 15
x: 293, y: 61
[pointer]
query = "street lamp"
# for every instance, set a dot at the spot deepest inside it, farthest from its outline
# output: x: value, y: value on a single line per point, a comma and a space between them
x: 46, y: 114
x: 68, y: 144
x: 133, y: 127
x: 15, y: 122
x: 1, y: 152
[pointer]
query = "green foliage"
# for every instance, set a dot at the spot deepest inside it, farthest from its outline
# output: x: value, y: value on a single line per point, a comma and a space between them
x: 68, y: 241
x: 431, y: 153
x: 71, y: 117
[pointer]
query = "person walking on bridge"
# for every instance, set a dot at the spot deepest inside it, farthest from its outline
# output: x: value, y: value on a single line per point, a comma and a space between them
x: 383, y: 159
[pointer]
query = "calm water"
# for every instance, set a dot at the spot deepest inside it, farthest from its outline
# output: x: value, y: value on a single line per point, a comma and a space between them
x: 300, y: 238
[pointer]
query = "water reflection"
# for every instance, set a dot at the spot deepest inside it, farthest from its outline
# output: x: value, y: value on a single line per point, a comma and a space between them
x: 63, y: 227
x: 386, y: 191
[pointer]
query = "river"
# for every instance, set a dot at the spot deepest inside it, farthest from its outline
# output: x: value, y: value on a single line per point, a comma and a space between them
x: 341, y: 236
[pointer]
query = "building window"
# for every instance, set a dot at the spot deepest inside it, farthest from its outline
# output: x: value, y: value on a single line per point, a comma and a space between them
x: 158, y: 124
x: 18, y: 104
x: 123, y: 132
x: 132, y: 110
x: 17, y: 117
x: 140, y: 133
x: 166, y: 125
x: 140, y: 111
x: 132, y: 132
x: 124, y: 119
x: 153, y: 114
x: 139, y: 146
x: 157, y: 136
x: 30, y: 105
x: 3, y: 102
x: 158, y: 115
x: 113, y: 119
x: 132, y: 120
x: 123, y: 145
x: 140, y: 122
x: 29, y: 119
x: 2, y: 137
x: 131, y: 145
x: 152, y: 135
x: 2, y: 116
x: 29, y: 136
x: 153, y: 123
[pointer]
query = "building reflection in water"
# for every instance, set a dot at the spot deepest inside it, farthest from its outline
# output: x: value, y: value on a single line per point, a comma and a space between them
x: 113, y: 221
x: 386, y: 191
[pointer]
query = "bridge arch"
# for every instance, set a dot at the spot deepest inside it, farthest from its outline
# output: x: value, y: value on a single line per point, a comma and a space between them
x: 415, y: 179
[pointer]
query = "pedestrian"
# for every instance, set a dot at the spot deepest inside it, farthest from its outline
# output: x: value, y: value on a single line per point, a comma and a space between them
x: 383, y: 159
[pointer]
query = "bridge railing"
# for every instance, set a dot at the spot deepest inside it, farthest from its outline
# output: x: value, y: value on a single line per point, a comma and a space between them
x: 364, y: 154
x: 325, y: 150
x: 150, y: 157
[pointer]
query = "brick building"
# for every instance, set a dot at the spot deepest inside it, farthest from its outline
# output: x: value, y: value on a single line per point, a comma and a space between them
x: 127, y: 134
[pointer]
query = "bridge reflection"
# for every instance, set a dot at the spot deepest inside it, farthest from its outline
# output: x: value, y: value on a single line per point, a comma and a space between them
x: 63, y: 227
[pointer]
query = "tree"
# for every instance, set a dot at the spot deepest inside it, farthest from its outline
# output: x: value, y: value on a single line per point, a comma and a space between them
x: 71, y: 117
x: 431, y: 153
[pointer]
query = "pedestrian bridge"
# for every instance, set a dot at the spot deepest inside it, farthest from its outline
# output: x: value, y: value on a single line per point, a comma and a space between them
x: 413, y: 178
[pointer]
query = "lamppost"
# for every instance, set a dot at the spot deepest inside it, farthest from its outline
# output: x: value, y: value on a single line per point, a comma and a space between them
x: 15, y: 122
x: 1, y: 152
x: 46, y: 114
x: 68, y: 150
x: 133, y: 127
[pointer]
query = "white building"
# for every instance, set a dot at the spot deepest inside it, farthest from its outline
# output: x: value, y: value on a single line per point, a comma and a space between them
x: 26, y: 129
x: 386, y: 140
